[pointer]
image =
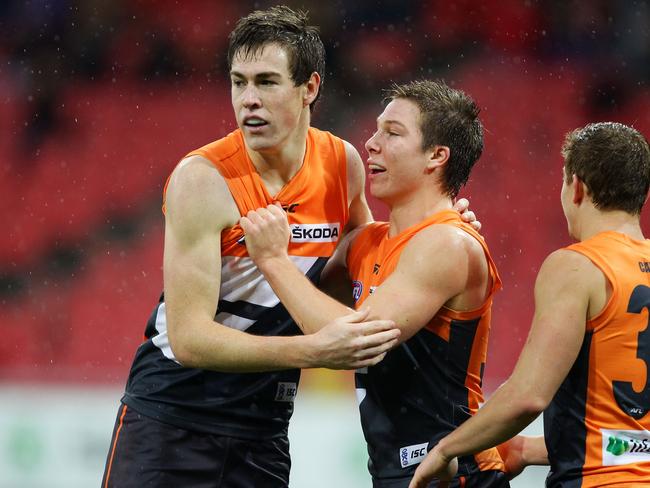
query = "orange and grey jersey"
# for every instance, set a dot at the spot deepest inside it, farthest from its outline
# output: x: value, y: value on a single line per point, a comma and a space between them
x: 431, y: 383
x: 251, y: 405
x: 597, y: 427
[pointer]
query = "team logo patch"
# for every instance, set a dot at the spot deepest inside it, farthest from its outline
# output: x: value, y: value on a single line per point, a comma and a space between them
x: 357, y: 290
x: 625, y: 447
x: 286, y: 392
x: 325, y: 232
x: 410, y: 455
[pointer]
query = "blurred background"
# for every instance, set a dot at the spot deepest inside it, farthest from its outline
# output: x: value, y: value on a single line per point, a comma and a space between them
x: 100, y: 99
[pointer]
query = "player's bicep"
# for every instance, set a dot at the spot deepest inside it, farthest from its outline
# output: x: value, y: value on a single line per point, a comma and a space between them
x: 196, y: 212
x: 558, y: 329
x: 191, y: 272
x: 430, y: 272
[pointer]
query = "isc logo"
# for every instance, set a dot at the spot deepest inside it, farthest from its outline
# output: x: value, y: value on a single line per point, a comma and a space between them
x: 410, y: 455
x: 286, y: 392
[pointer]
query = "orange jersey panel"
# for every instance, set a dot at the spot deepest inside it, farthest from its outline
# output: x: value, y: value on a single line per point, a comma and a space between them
x: 315, y: 198
x: 317, y: 210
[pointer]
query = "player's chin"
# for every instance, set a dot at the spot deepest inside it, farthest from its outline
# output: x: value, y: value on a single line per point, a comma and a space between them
x: 260, y: 142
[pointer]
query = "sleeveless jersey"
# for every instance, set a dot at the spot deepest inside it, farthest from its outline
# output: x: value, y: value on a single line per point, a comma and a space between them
x: 597, y: 428
x: 429, y: 384
x: 248, y: 405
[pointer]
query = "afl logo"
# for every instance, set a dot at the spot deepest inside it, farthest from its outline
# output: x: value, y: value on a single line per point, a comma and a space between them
x: 357, y: 289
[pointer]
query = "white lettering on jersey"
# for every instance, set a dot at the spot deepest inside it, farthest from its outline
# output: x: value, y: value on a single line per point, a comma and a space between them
x: 325, y: 232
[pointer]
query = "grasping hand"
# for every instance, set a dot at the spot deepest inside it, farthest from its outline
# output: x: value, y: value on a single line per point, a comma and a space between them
x: 352, y: 341
x: 462, y: 206
x: 434, y: 465
x: 266, y: 232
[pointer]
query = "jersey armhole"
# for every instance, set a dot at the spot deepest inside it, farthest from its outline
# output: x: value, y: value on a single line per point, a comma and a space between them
x: 609, y: 309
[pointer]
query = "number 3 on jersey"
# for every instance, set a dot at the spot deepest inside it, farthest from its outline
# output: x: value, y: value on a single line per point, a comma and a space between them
x: 636, y: 404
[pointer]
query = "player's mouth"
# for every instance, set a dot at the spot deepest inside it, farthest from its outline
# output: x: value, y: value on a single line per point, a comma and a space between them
x: 375, y: 169
x: 254, y: 123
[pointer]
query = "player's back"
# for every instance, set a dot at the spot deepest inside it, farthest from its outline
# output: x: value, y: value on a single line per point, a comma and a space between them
x: 597, y: 426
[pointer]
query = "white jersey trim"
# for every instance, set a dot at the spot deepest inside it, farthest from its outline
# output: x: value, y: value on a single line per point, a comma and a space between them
x: 161, y: 341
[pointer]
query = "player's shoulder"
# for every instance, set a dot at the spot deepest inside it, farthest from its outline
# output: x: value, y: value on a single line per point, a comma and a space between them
x: 567, y: 259
x: 451, y: 239
x: 351, y: 153
x: 196, y: 173
x: 566, y: 267
x: 197, y: 188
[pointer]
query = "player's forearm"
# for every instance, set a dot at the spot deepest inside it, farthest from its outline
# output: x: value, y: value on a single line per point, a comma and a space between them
x: 220, y: 348
x: 309, y: 307
x: 503, y: 416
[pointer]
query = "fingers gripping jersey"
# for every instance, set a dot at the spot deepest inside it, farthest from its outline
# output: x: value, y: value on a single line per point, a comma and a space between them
x: 597, y: 427
x: 431, y: 383
x: 251, y: 405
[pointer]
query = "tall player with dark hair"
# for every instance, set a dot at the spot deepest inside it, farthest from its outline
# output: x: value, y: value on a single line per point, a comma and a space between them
x: 211, y: 389
x: 586, y: 362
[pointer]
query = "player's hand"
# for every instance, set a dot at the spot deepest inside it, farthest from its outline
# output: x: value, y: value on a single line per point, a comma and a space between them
x: 511, y: 452
x: 266, y: 233
x: 462, y: 207
x: 352, y: 341
x: 434, y: 465
x: 522, y: 451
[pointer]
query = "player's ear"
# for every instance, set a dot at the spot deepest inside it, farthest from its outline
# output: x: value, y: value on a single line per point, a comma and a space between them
x: 437, y: 157
x: 311, y: 89
x: 579, y: 190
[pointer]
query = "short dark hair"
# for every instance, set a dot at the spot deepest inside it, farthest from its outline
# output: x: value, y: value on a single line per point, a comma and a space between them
x: 613, y: 160
x: 287, y: 28
x: 448, y: 117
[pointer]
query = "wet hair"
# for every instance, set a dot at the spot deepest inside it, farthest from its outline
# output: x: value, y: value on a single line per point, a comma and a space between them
x: 448, y: 117
x: 287, y: 28
x: 613, y: 161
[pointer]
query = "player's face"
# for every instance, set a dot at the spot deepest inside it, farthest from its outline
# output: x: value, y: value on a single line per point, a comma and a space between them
x: 268, y: 107
x: 396, y: 160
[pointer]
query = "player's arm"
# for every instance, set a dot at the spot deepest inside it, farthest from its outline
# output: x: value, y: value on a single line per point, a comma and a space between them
x: 439, y: 263
x: 198, y: 207
x: 562, y: 295
x: 356, y: 178
x: 433, y: 267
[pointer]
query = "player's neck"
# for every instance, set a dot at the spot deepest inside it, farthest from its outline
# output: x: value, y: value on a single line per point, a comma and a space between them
x: 277, y: 165
x: 596, y: 221
x: 414, y: 209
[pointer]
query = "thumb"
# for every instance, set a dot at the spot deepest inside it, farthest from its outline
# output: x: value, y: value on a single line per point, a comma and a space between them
x: 358, y: 315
